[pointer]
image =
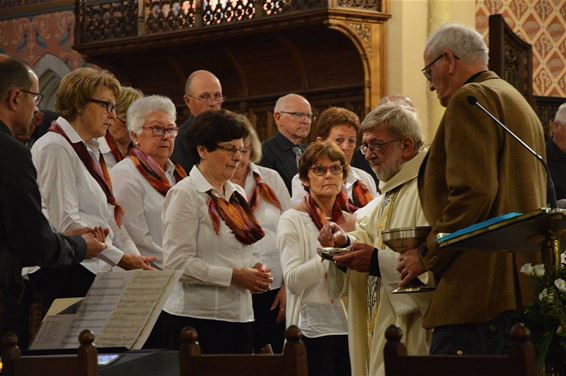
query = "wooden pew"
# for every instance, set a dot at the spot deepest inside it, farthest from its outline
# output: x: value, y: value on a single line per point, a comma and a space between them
x: 82, y: 364
x: 293, y: 361
x: 519, y: 362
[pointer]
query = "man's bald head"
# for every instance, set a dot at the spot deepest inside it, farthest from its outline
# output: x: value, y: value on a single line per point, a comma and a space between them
x: 293, y: 117
x: 203, y: 92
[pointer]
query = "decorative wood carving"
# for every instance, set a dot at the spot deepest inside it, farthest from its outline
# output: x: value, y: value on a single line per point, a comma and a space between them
x: 114, y: 19
x: 363, y: 31
x: 364, y: 4
x: 170, y: 15
x: 510, y: 57
x: 109, y: 20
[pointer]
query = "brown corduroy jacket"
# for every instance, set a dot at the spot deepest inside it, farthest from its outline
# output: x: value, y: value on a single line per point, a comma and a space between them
x: 475, y: 171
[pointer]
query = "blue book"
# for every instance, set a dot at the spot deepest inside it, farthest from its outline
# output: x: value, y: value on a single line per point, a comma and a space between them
x: 478, y: 226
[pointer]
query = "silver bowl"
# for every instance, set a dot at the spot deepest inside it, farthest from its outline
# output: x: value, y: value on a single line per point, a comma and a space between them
x: 401, y: 239
x: 328, y: 253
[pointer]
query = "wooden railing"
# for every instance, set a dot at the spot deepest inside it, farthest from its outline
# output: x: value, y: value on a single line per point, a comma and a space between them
x: 102, y: 20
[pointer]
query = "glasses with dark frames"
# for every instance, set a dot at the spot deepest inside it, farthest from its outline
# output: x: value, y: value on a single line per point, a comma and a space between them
x: 107, y: 105
x: 427, y: 71
x: 37, y: 97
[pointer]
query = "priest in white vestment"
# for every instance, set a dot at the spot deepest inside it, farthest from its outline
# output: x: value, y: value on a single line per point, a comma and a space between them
x: 392, y: 143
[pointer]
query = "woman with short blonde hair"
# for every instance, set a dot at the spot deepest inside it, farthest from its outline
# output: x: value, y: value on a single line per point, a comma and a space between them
x: 82, y: 196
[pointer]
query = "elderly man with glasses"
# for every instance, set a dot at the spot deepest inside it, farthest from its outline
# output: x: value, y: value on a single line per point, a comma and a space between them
x: 474, y: 171
x: 203, y: 92
x: 293, y: 117
x: 392, y: 144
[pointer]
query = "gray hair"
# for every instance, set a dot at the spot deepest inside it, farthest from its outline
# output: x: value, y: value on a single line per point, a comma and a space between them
x: 560, y: 116
x: 398, y: 119
x: 193, y: 75
x: 282, y: 101
x: 464, y: 42
x: 143, y: 107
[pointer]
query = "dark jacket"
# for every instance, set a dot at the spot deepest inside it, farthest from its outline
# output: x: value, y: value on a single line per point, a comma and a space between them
x: 26, y: 239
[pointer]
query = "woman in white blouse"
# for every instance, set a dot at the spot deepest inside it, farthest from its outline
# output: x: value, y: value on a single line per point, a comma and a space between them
x: 268, y: 198
x: 208, y: 232
x: 75, y: 186
x: 142, y: 180
x: 116, y: 143
x: 322, y: 170
x: 341, y: 126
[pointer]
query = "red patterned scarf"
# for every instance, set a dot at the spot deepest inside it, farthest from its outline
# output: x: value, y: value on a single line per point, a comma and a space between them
x: 237, y: 215
x: 263, y: 190
x: 360, y: 194
x: 360, y: 197
x: 116, y: 153
x: 318, y: 216
x: 153, y: 173
x: 100, y: 174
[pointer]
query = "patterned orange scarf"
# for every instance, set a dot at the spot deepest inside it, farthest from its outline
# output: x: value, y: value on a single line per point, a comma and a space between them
x: 116, y: 153
x: 153, y: 173
x: 360, y: 194
x: 237, y: 215
x: 100, y: 174
x: 360, y: 197
x: 318, y: 216
x: 263, y: 190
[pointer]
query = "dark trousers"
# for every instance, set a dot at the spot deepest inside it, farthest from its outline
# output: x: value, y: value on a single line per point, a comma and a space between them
x: 65, y: 282
x: 469, y: 339
x: 328, y: 356
x: 266, y: 329
x: 16, y: 314
x: 214, y: 336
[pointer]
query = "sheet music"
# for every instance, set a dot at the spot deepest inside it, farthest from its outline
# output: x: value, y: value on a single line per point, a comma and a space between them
x: 133, y: 311
x: 120, y: 308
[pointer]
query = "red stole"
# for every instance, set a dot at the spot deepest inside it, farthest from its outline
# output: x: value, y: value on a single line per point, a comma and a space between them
x: 99, y: 174
x: 318, y: 216
x: 237, y: 215
x: 154, y: 174
x: 263, y: 190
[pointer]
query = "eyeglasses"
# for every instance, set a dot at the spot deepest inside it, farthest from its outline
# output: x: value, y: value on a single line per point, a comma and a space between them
x: 321, y: 170
x: 427, y: 71
x: 108, y: 106
x: 376, y: 147
x: 160, y: 131
x: 300, y: 115
x: 122, y: 120
x: 209, y: 99
x: 232, y: 150
x: 36, y: 96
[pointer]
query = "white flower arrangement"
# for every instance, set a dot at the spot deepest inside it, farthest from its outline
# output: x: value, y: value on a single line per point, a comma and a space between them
x: 546, y: 316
